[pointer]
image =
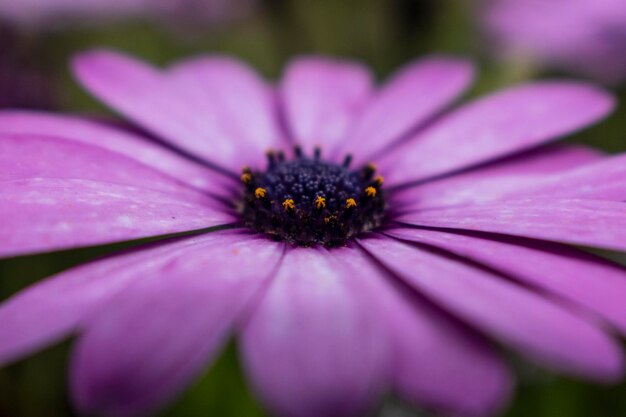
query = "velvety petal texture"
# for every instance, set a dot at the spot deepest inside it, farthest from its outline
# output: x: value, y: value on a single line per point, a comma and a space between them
x: 537, y: 328
x: 320, y: 99
x: 596, y: 223
x: 313, y: 346
x: 412, y: 96
x: 91, y: 132
x: 434, y: 361
x: 497, y: 125
x: 560, y: 270
x: 44, y: 214
x: 49, y: 311
x: 58, y: 306
x: 172, y: 319
x: 511, y: 177
x: 603, y: 180
x: 234, y: 101
x: 24, y: 157
x: 164, y: 104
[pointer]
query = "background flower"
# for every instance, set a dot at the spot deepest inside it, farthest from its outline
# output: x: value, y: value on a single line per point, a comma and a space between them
x: 22, y: 84
x: 51, y: 14
x: 579, y: 36
x: 26, y: 79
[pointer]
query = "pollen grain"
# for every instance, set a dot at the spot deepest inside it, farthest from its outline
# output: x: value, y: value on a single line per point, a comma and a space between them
x: 260, y: 192
x: 289, y: 204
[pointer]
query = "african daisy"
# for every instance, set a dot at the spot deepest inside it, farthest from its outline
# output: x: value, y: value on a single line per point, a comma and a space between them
x: 355, y: 240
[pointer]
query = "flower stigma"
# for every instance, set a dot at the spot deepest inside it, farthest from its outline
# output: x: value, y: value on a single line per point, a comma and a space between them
x: 308, y: 201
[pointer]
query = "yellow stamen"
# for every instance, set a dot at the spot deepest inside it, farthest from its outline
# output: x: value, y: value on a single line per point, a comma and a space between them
x: 320, y: 202
x: 350, y: 203
x: 328, y: 219
x: 289, y: 204
x: 379, y: 180
x: 246, y: 178
x: 370, y: 192
x: 260, y: 192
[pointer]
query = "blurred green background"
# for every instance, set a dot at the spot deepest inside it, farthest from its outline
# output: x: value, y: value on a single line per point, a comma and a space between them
x: 384, y: 34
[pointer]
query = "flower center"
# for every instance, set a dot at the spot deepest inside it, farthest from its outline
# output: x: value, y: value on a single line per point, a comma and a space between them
x: 307, y: 201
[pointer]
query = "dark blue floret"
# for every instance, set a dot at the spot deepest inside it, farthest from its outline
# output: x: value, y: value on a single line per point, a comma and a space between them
x: 307, y: 201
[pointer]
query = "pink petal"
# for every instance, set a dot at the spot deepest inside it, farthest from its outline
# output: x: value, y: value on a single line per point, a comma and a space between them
x: 314, y: 346
x: 413, y: 95
x: 509, y: 177
x: 586, y: 40
x: 581, y: 222
x: 584, y: 279
x: 602, y: 180
x: 158, y: 102
x: 539, y: 329
x: 114, y: 139
x: 498, y: 125
x: 321, y: 98
x: 435, y: 362
x: 50, y: 214
x: 148, y: 342
x: 234, y: 101
x: 52, y: 309
x: 32, y: 156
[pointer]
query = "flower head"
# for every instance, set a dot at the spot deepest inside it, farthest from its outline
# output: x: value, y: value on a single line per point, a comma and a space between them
x: 53, y: 14
x: 581, y: 36
x: 22, y: 83
x: 310, y: 201
x: 338, y: 286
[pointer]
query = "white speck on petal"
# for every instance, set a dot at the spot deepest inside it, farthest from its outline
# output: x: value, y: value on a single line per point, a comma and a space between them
x: 125, y: 221
x: 47, y: 201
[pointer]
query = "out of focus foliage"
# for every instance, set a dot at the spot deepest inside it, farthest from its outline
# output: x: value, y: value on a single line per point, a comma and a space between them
x: 384, y: 34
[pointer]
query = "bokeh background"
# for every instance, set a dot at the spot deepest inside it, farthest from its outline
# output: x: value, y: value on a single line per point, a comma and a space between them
x: 36, y: 45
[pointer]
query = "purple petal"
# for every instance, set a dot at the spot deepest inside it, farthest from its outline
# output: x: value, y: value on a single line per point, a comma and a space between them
x: 235, y: 102
x: 148, y: 342
x: 314, y: 346
x: 158, y: 102
x: 539, y: 329
x: 321, y: 98
x: 50, y: 214
x: 581, y: 222
x: 24, y: 157
x: 435, y: 362
x: 52, y: 309
x: 498, y: 125
x: 584, y: 279
x: 586, y: 40
x: 602, y: 180
x: 506, y: 178
x: 408, y: 99
x: 113, y: 139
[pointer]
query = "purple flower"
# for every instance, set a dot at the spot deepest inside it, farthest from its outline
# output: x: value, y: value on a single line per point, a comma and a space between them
x: 582, y: 36
x: 51, y: 14
x: 22, y: 84
x: 338, y: 288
